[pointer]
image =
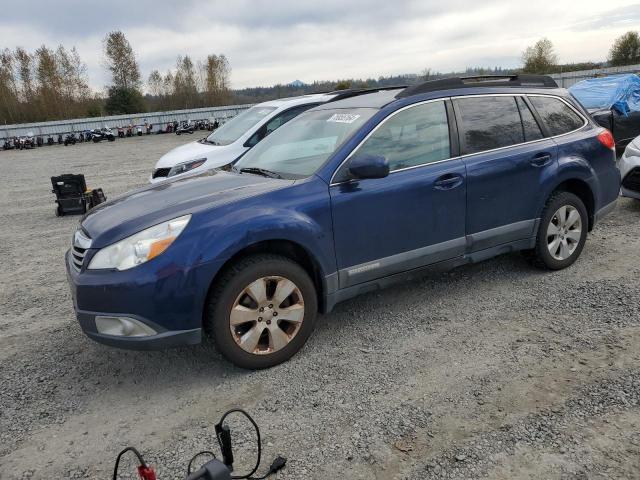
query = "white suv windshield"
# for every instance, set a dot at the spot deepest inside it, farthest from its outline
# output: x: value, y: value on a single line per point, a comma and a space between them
x: 238, y: 125
x: 300, y: 147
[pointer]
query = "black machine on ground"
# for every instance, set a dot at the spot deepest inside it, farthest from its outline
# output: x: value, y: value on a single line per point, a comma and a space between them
x: 72, y: 195
x: 8, y: 144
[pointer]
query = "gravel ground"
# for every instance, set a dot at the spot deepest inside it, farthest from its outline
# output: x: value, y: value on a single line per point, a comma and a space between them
x: 493, y: 370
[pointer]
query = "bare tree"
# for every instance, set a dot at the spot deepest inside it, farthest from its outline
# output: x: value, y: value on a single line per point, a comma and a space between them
x: 539, y: 58
x: 216, y: 79
x: 24, y: 65
x: 121, y: 61
x: 8, y: 88
x: 185, y: 83
x: 155, y: 83
x: 49, y: 84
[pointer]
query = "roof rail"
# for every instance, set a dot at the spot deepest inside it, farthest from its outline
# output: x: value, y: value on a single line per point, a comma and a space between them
x: 521, y: 80
x: 354, y: 92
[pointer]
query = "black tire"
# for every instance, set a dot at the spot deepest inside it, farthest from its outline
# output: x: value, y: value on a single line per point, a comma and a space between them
x: 540, y: 256
x: 230, y: 285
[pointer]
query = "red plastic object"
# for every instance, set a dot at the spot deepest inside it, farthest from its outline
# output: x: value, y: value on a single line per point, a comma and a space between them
x: 146, y: 473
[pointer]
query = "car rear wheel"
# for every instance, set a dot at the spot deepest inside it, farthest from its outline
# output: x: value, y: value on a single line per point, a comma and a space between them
x: 262, y: 311
x: 562, y: 232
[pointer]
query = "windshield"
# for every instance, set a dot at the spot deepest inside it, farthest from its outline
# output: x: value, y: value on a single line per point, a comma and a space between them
x: 300, y: 147
x: 238, y: 125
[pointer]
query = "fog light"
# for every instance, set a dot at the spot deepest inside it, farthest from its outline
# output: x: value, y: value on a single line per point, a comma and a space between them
x: 123, y: 327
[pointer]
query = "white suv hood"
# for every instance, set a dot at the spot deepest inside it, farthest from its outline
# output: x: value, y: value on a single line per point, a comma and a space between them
x: 192, y: 151
x: 217, y: 156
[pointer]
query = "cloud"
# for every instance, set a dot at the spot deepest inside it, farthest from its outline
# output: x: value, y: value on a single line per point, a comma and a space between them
x: 277, y: 41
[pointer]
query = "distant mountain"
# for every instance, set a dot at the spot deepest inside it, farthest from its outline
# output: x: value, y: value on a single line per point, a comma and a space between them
x: 297, y: 84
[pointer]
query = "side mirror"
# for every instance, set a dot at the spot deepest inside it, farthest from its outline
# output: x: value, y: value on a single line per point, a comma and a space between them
x: 368, y: 166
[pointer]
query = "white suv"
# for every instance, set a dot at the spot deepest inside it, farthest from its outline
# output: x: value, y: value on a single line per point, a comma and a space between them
x: 235, y: 137
x: 630, y: 170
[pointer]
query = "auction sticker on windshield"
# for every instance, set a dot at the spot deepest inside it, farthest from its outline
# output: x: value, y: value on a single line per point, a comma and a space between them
x: 343, y: 118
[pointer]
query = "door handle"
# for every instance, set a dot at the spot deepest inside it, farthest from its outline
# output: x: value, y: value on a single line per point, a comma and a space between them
x: 448, y: 181
x: 541, y: 160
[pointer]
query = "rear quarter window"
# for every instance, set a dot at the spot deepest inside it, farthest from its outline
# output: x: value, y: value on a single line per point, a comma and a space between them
x: 558, y: 117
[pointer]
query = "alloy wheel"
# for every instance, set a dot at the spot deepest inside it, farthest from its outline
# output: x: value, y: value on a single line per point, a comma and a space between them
x: 267, y: 315
x: 564, y: 232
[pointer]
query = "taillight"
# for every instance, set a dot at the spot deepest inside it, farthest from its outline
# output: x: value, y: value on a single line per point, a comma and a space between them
x: 606, y: 138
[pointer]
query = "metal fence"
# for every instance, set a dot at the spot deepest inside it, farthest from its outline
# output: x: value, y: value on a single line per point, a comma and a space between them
x: 567, y: 79
x: 157, y: 119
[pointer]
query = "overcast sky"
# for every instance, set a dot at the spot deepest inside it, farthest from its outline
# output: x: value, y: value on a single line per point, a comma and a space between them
x: 278, y: 41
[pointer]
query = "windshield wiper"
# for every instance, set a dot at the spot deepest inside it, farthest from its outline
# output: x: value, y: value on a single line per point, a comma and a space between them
x: 261, y: 171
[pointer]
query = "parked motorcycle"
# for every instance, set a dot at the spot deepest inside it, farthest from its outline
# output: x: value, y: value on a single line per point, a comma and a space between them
x: 185, y: 127
x: 8, y: 144
x: 120, y: 132
x: 130, y: 131
x: 60, y: 139
x: 27, y: 142
x: 100, y: 134
x: 70, y: 139
x: 39, y: 141
x: 50, y: 140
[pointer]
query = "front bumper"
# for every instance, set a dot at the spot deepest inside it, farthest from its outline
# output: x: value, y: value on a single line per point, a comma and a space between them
x: 168, y: 300
x: 161, y: 340
x: 630, y: 172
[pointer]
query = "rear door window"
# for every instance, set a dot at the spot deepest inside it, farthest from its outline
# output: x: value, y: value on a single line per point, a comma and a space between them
x: 558, y: 117
x: 487, y: 123
x: 530, y: 127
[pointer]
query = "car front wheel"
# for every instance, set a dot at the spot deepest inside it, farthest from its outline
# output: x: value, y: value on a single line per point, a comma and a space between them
x: 262, y: 311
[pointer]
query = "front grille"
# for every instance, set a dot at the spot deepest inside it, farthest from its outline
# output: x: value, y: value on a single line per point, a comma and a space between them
x: 81, y: 243
x: 161, y: 172
x: 632, y: 180
x: 77, y: 256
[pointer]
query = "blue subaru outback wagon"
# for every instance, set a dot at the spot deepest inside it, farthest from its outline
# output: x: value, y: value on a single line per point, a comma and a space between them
x: 370, y: 188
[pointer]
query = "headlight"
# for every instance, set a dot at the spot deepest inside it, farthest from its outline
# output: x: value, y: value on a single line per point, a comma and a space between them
x: 633, y: 149
x: 141, y: 247
x: 186, y: 166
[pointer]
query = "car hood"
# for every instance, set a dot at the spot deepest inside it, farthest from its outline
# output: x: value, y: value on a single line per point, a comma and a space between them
x: 195, y: 150
x: 148, y: 206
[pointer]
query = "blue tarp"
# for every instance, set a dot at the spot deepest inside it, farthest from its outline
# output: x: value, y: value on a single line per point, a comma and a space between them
x: 618, y: 92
